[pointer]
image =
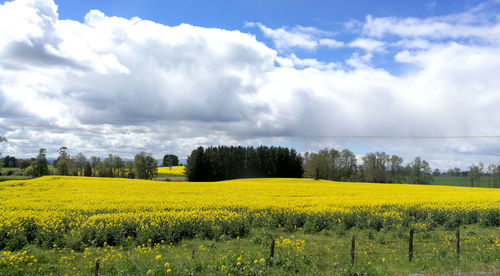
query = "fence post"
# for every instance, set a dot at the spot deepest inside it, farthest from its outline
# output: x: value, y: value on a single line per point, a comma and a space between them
x: 272, y: 249
x: 96, y: 269
x: 458, y: 243
x: 410, y: 246
x: 353, y: 249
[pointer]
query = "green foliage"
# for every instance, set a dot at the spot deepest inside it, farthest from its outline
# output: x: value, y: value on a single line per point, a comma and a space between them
x: 223, y: 163
x: 323, y: 253
x: 87, y: 170
x: 474, y: 173
x: 170, y: 160
x: 40, y: 166
x: 145, y: 166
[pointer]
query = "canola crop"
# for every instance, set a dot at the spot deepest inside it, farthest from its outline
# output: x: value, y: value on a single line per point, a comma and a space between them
x: 173, y: 170
x: 82, y: 211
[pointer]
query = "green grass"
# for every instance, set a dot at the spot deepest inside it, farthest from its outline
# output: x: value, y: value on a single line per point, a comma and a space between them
x: 323, y: 253
x: 459, y: 181
x: 16, y: 174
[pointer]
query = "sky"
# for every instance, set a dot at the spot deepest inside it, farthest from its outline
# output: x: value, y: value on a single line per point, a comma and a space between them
x: 412, y: 78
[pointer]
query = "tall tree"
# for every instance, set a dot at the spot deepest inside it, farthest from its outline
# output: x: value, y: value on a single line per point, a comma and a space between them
x: 493, y: 176
x: 87, y: 170
x: 474, y: 173
x: 63, y: 162
x: 396, y: 170
x: 420, y: 172
x: 80, y: 161
x: 374, y: 167
x: 146, y: 167
x: 118, y: 166
x: 223, y: 162
x: 40, y: 166
x: 94, y: 163
x: 170, y: 160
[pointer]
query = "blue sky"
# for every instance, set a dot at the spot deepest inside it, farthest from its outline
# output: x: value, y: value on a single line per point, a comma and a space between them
x: 165, y: 77
x: 330, y: 16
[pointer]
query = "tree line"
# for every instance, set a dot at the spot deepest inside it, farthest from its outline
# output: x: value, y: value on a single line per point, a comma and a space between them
x: 144, y: 166
x: 229, y: 162
x: 377, y: 167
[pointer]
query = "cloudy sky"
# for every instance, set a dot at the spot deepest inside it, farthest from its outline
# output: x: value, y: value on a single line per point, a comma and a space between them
x: 405, y: 77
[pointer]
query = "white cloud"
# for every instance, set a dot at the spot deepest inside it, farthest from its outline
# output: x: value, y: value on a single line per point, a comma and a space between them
x: 475, y: 23
x: 369, y: 45
x: 309, y: 38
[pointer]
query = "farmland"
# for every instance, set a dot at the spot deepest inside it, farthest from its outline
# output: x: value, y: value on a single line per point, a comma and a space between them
x: 174, y: 170
x: 52, y: 215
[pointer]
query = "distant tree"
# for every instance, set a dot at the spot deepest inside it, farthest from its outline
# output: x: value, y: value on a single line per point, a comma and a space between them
x: 195, y: 166
x: 318, y: 165
x: 146, y: 167
x: 94, y: 163
x: 63, y: 162
x: 454, y: 172
x: 25, y: 163
x: 396, y: 170
x: 224, y: 162
x: 420, y: 172
x: 105, y: 168
x: 493, y: 176
x: 129, y: 169
x: 436, y: 172
x: 374, y: 167
x: 170, y: 160
x: 87, y: 170
x: 40, y: 166
x: 331, y: 165
x: 118, y: 166
x: 474, y: 173
x: 80, y: 161
x: 10, y: 162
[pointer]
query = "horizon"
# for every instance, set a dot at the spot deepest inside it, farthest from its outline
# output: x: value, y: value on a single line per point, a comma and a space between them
x: 406, y: 78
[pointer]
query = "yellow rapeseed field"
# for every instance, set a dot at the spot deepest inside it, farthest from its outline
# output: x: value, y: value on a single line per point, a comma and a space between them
x: 174, y: 170
x: 62, y: 210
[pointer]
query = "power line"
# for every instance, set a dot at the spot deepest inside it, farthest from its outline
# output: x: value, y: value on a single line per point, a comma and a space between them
x: 111, y: 130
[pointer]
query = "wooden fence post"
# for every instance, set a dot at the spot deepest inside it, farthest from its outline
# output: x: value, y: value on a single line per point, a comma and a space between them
x: 458, y: 243
x: 410, y: 246
x: 96, y: 269
x: 353, y: 249
x: 272, y: 249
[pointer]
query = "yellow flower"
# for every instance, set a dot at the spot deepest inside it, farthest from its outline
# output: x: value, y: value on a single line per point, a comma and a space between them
x: 167, y: 264
x: 255, y: 262
x: 261, y: 260
x: 383, y: 259
x: 238, y: 263
x: 149, y: 271
x: 169, y: 270
x: 158, y: 257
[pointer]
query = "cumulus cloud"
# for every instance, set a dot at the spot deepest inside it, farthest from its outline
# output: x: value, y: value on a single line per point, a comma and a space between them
x: 117, y: 85
x: 309, y: 38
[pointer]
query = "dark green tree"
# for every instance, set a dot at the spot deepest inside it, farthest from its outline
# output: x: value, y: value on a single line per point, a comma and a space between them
x: 170, y: 160
x: 223, y: 162
x: 40, y: 166
x: 64, y: 164
x: 87, y: 169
